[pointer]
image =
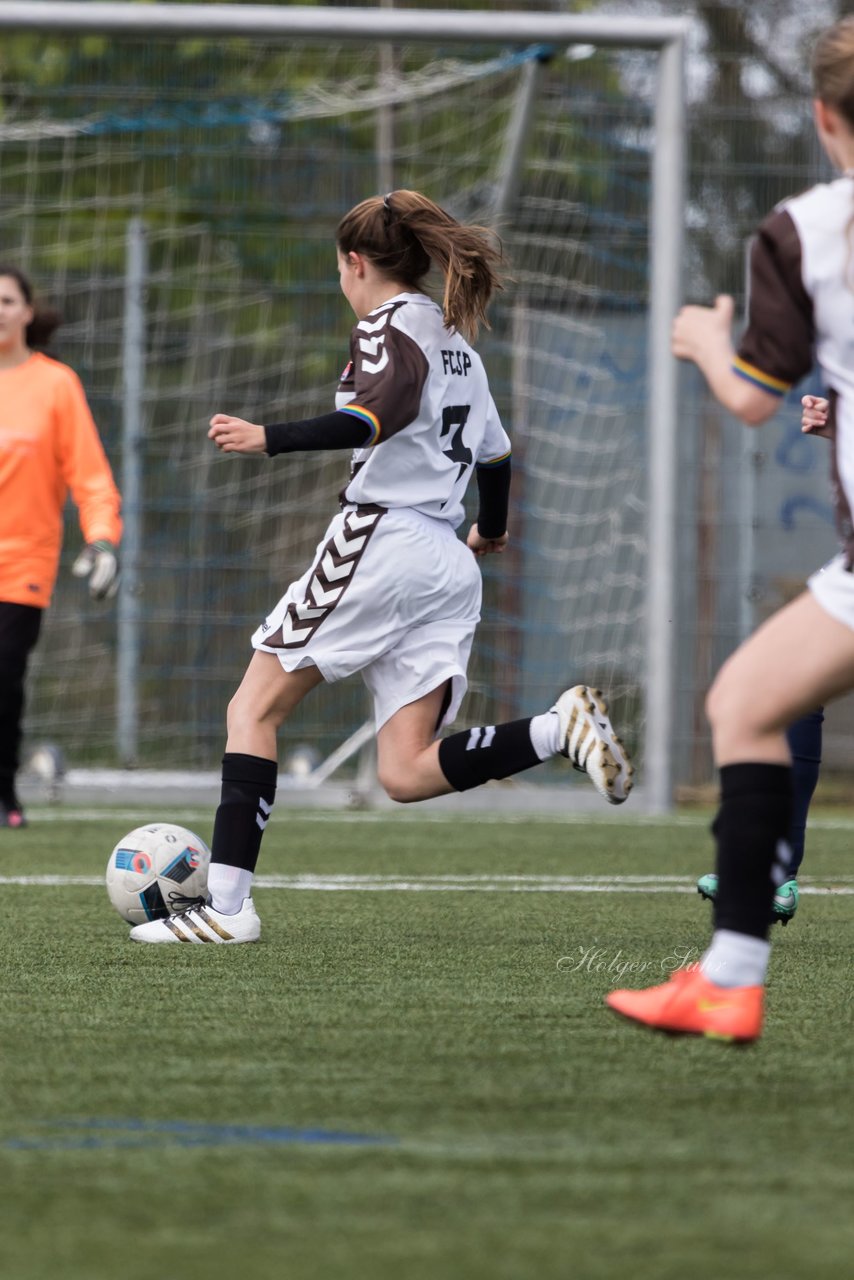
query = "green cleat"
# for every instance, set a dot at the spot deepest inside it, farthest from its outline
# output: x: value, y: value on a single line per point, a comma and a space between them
x: 707, y: 887
x: 786, y: 901
x: 783, y: 907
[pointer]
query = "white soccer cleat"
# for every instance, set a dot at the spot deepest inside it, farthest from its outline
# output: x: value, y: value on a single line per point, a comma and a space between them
x: 202, y: 924
x: 588, y: 741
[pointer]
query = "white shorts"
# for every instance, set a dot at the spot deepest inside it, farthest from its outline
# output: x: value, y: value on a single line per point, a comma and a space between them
x: 390, y: 593
x: 833, y: 588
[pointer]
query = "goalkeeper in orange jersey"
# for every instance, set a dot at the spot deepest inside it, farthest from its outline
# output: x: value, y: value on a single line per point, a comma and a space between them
x: 49, y: 445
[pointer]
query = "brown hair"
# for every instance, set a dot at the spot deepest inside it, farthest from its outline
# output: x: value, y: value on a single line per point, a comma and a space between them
x: 833, y: 68
x: 404, y: 232
x: 45, y: 319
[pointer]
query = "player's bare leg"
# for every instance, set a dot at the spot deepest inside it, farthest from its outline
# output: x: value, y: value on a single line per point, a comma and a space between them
x: 749, y: 722
x: 413, y: 766
x: 266, y: 697
x: 408, y: 753
x: 799, y: 659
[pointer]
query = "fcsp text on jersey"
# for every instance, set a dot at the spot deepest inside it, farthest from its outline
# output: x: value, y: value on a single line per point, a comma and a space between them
x: 456, y: 362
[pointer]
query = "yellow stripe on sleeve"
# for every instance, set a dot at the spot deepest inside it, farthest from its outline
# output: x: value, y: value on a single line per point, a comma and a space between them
x: 776, y: 386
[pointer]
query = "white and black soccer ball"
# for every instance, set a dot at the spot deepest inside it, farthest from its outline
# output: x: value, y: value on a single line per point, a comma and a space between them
x: 156, y: 871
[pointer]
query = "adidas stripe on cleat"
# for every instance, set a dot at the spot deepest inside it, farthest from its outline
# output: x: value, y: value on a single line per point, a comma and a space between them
x: 201, y: 925
x: 691, y: 1005
x: 588, y: 741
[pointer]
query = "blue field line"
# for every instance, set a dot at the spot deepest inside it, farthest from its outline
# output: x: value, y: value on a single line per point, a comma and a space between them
x: 101, y: 1133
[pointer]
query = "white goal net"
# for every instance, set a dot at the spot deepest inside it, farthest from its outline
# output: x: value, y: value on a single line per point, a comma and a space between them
x: 186, y: 190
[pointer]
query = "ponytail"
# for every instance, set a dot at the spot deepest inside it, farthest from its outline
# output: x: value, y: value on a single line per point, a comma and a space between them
x: 45, y: 319
x: 832, y: 68
x: 403, y: 233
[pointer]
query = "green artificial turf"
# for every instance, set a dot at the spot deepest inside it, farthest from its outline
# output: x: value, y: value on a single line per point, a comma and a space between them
x: 416, y: 1083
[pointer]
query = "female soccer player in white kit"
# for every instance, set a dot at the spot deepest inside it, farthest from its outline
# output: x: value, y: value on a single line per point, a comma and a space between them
x: 801, y: 308
x: 391, y: 592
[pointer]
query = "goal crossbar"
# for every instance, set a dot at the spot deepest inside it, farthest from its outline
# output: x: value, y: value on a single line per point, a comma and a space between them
x: 355, y: 24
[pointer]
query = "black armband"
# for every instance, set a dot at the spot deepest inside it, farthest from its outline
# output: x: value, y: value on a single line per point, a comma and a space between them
x: 337, y: 430
x: 493, y: 487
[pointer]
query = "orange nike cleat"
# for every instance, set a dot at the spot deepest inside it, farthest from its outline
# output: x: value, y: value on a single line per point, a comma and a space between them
x: 689, y: 1004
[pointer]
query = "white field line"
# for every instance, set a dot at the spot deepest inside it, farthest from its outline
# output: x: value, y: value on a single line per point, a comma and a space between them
x: 345, y: 817
x: 840, y: 885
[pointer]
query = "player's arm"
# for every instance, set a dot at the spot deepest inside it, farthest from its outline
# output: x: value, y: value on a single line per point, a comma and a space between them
x: 337, y: 430
x: 702, y: 335
x: 488, y: 535
x: 776, y: 349
x: 387, y: 394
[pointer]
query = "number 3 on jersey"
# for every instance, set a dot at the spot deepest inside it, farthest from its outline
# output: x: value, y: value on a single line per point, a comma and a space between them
x: 456, y: 416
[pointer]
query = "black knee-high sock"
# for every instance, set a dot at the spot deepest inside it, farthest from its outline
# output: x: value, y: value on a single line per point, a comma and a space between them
x: 804, y: 738
x: 248, y: 792
x: 470, y: 758
x: 751, y: 829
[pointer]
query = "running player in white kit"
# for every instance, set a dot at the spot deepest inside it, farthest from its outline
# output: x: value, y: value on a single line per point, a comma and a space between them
x: 392, y: 592
x: 801, y: 311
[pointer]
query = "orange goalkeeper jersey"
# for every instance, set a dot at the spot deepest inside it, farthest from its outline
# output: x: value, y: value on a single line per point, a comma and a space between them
x: 49, y: 446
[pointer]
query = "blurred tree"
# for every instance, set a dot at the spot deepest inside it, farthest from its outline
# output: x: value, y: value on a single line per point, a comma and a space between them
x: 752, y: 140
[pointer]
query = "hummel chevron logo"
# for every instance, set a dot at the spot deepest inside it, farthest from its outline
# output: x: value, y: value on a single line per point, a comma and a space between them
x: 355, y: 521
x: 321, y: 597
x: 374, y: 353
x: 373, y: 326
x: 348, y: 546
x: 371, y: 347
x: 332, y: 573
x: 305, y: 612
x: 291, y: 635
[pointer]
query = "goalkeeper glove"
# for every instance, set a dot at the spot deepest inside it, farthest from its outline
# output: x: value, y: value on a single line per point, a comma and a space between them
x: 99, y: 563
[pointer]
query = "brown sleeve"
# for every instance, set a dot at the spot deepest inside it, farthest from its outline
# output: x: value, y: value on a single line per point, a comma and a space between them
x: 776, y: 349
x: 389, y: 371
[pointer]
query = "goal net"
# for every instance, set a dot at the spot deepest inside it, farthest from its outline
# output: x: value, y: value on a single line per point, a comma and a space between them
x: 200, y: 180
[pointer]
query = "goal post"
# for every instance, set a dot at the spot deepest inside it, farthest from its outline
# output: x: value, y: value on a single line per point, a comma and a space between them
x: 541, y: 224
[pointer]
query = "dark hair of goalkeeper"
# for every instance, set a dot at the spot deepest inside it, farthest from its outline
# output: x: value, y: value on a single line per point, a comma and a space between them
x: 404, y: 233
x: 45, y: 319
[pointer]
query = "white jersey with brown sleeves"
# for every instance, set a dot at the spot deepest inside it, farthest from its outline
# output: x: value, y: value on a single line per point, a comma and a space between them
x: 423, y: 391
x: 824, y: 217
x: 801, y: 310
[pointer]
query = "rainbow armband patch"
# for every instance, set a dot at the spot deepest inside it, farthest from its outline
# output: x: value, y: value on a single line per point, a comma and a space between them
x: 370, y: 419
x: 496, y: 462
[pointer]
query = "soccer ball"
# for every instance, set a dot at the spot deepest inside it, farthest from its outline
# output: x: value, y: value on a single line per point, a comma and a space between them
x: 157, y: 870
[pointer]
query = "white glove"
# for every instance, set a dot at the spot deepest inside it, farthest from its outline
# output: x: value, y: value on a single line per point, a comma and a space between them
x: 99, y: 563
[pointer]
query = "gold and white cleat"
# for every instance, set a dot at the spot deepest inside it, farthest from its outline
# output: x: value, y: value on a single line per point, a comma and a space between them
x: 590, y: 744
x: 202, y: 924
